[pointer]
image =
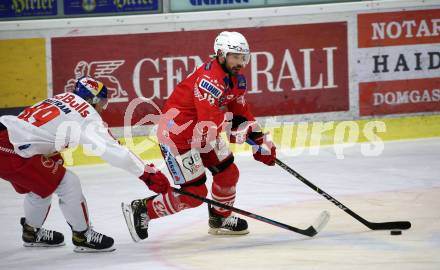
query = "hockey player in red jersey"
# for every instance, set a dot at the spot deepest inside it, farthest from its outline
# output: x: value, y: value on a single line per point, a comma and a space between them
x: 201, y: 106
x: 30, y: 161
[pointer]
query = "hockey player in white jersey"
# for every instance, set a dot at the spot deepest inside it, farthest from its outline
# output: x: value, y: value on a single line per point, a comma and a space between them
x: 29, y: 159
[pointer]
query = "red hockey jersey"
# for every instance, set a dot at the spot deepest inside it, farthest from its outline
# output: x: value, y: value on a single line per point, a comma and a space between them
x: 205, y: 95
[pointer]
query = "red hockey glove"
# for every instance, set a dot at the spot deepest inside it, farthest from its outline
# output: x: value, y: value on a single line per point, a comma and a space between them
x: 155, y: 179
x: 265, y: 150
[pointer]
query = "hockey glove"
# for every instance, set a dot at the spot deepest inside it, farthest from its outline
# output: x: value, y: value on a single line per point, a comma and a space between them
x: 155, y: 180
x: 240, y: 130
x: 265, y: 150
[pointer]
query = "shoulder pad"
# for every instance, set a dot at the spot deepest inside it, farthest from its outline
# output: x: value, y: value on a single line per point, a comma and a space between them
x: 241, y: 82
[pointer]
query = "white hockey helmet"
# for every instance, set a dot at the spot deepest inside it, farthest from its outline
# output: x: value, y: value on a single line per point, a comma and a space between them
x: 232, y: 42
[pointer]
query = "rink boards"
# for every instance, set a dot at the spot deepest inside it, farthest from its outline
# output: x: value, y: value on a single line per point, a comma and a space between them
x: 302, y: 137
x: 339, y: 73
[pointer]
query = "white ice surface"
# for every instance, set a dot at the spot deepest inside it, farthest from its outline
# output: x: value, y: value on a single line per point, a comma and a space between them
x: 403, y: 183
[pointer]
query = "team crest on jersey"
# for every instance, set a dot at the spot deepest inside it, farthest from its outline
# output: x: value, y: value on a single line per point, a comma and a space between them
x: 210, y: 88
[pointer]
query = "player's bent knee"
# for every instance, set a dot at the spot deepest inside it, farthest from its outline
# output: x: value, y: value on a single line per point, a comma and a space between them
x: 37, y: 201
x: 228, y: 177
x: 200, y: 190
x: 70, y: 186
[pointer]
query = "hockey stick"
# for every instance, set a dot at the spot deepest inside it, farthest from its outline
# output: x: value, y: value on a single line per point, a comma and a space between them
x: 393, y: 225
x: 311, y: 231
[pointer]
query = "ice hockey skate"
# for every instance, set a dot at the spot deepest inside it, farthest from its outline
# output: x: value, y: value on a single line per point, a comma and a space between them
x: 90, y: 241
x: 136, y: 218
x: 40, y: 237
x: 232, y: 225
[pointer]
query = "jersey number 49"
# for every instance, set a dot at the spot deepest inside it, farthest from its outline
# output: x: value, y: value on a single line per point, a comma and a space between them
x: 41, y: 114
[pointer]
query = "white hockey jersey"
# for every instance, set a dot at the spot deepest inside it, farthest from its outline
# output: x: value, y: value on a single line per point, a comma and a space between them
x: 64, y: 121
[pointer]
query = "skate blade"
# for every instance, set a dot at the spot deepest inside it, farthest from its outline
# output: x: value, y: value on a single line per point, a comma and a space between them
x: 128, y: 213
x: 220, y: 231
x: 43, y: 245
x: 92, y: 250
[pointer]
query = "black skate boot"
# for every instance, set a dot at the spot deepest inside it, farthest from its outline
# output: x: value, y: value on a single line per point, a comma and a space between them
x: 40, y: 237
x: 137, y: 218
x: 232, y: 225
x: 91, y: 241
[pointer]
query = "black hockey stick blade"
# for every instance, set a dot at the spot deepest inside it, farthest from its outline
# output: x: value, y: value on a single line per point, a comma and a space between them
x: 394, y: 225
x: 311, y: 231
